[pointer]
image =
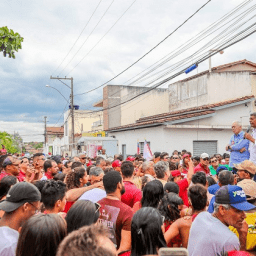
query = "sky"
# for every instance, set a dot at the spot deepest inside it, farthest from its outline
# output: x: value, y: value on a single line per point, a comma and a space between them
x: 102, y: 38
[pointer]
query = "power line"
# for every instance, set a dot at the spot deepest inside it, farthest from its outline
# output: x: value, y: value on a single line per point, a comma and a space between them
x: 87, y: 37
x: 199, y: 35
x: 78, y: 36
x: 222, y: 47
x: 149, y: 50
x: 103, y: 37
x: 202, y: 33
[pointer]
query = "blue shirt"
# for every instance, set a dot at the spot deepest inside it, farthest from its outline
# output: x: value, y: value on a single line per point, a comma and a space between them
x: 213, y: 188
x: 237, y: 142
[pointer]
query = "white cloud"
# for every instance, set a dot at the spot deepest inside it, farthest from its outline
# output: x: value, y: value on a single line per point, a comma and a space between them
x: 50, y: 28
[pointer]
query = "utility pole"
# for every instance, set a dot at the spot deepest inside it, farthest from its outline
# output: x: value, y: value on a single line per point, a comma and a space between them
x: 45, y: 132
x: 72, y: 108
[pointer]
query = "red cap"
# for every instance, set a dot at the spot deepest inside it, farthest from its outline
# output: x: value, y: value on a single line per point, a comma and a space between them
x: 176, y: 173
x: 185, y: 155
x: 130, y: 158
x: 116, y: 163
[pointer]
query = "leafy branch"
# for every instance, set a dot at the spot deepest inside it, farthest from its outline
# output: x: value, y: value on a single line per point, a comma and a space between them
x: 10, y: 42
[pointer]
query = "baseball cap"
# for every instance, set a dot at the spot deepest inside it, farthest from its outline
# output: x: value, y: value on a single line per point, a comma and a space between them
x: 234, y: 196
x: 7, y: 161
x: 176, y: 173
x: 157, y: 154
x: 204, y: 155
x: 117, y: 163
x: 249, y: 188
x: 246, y: 165
x: 130, y: 158
x: 18, y: 195
x: 221, y: 168
x: 185, y: 155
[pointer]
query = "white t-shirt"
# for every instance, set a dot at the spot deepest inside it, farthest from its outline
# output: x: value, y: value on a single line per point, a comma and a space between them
x: 209, y: 236
x: 8, y: 241
x: 93, y: 195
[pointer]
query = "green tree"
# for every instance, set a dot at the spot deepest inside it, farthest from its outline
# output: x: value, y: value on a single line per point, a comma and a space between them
x: 39, y: 145
x: 10, y: 42
x: 7, y: 140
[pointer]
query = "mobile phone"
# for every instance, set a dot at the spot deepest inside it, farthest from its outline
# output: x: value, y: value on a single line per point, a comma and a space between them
x: 174, y: 251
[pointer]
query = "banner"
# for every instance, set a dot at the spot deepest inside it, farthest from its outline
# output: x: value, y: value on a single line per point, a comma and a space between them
x: 92, y: 150
x: 147, y: 154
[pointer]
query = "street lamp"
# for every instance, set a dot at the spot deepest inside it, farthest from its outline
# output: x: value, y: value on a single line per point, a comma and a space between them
x: 58, y: 92
x: 210, y: 61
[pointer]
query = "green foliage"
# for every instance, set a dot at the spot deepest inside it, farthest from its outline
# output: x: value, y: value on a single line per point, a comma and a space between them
x: 7, y: 140
x: 9, y: 42
x: 39, y: 145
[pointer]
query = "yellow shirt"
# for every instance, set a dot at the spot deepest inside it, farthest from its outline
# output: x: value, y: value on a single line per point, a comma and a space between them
x: 251, y: 236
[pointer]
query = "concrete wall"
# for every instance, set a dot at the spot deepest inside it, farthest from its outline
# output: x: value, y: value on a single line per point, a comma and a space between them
x: 170, y: 139
x: 225, y: 117
x: 152, y: 103
x: 181, y: 136
x: 209, y: 88
x: 83, y: 121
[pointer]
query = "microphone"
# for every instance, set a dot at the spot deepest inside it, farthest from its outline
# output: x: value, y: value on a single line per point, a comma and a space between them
x: 248, y: 129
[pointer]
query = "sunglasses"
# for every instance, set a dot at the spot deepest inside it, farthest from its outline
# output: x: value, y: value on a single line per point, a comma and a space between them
x: 175, y: 158
x: 98, y: 206
x: 214, y: 161
x: 206, y: 159
x: 83, y: 157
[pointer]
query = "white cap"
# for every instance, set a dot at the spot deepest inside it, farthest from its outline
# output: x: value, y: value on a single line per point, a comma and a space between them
x: 204, y: 155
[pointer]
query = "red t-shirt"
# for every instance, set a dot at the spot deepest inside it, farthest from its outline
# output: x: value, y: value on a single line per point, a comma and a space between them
x: 21, y: 176
x: 132, y: 194
x: 200, y: 168
x: 116, y: 216
x: 4, y: 174
x: 68, y: 206
x: 3, y: 151
x: 183, y: 184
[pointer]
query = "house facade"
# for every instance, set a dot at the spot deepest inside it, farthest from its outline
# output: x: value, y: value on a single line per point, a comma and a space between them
x: 199, y: 115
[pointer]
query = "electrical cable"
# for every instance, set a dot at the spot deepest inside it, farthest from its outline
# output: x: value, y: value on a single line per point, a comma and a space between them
x: 87, y: 37
x: 78, y: 36
x: 223, y: 47
x: 148, y: 51
x: 227, y: 15
x: 103, y: 37
x: 198, y: 37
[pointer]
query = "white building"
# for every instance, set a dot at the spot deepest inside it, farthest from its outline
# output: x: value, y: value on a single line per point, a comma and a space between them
x: 201, y: 111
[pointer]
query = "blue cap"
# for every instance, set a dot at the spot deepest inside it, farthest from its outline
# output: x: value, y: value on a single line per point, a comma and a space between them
x: 234, y: 196
x: 221, y: 168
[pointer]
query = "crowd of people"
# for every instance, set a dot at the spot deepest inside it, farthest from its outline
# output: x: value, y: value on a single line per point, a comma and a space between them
x: 54, y: 205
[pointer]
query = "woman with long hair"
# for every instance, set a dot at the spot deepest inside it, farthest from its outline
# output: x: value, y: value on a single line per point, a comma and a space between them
x: 153, y: 192
x: 197, y: 195
x: 76, y: 178
x: 146, y: 231
x: 170, y: 207
x: 41, y: 235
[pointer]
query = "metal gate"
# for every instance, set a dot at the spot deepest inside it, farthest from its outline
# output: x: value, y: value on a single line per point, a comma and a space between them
x: 204, y: 146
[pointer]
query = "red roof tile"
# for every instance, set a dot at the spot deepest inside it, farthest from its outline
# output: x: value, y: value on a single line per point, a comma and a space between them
x: 55, y: 130
x: 179, y: 115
